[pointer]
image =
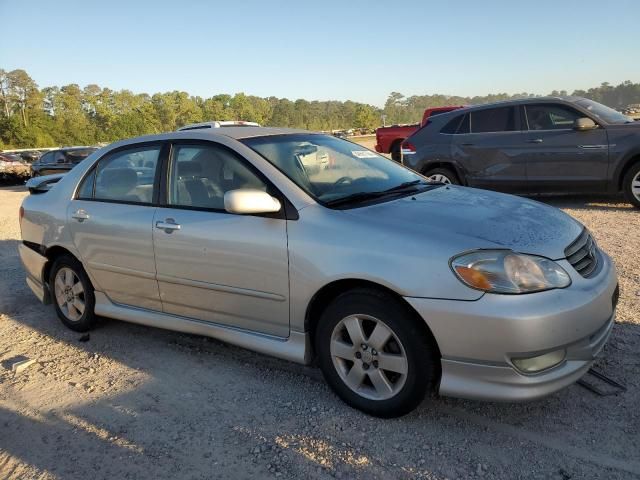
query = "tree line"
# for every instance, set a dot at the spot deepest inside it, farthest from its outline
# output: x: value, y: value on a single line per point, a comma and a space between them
x: 31, y: 116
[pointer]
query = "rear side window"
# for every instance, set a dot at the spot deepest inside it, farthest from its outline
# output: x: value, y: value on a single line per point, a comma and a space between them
x: 493, y: 120
x: 123, y: 176
x: 46, y: 158
x: 452, y: 126
x: 465, y: 126
x: 85, y: 192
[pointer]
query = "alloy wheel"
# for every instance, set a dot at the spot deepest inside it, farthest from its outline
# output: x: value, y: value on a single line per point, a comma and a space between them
x: 440, y: 178
x: 369, y: 357
x: 635, y: 186
x: 69, y: 293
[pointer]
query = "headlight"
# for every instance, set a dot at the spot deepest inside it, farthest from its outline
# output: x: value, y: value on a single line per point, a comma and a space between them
x: 504, y: 271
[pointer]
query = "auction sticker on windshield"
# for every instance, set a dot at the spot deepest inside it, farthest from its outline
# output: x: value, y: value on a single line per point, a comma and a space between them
x: 363, y: 154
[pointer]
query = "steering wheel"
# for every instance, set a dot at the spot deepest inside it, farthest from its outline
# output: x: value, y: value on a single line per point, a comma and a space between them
x: 342, y: 180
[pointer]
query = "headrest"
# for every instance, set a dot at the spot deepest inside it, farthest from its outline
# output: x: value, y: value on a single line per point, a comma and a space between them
x: 122, y: 177
x: 189, y: 169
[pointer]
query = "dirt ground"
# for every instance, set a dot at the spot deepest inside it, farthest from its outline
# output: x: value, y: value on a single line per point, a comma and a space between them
x: 137, y: 402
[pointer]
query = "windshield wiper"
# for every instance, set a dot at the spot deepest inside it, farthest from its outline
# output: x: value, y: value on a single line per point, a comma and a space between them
x: 364, y: 196
x: 405, y: 185
x: 355, y: 197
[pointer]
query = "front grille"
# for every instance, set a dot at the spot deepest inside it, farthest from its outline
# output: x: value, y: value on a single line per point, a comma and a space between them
x: 582, y: 254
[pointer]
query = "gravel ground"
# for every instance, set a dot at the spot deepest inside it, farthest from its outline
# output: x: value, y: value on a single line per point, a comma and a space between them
x: 137, y: 402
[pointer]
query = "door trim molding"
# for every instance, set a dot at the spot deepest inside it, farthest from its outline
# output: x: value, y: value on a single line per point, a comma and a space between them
x: 122, y: 270
x: 220, y: 288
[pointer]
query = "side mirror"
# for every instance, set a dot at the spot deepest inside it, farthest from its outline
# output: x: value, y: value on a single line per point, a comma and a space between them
x: 248, y: 200
x: 583, y: 124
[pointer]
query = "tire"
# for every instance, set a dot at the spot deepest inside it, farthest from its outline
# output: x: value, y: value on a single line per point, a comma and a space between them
x: 442, y: 175
x: 396, y: 154
x: 409, y: 349
x: 631, y: 185
x: 67, y: 297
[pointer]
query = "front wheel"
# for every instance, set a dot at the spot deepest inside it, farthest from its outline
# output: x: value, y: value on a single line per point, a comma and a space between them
x: 73, y: 294
x: 631, y: 185
x: 374, y: 353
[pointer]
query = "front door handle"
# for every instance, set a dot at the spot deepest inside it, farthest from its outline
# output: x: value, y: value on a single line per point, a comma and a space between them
x: 80, y: 215
x: 535, y: 140
x: 169, y: 225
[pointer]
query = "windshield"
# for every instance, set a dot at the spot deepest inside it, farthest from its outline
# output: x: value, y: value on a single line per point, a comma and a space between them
x: 604, y: 113
x: 330, y: 169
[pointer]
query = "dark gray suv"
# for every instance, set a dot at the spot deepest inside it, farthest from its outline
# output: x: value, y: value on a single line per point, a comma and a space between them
x: 529, y: 146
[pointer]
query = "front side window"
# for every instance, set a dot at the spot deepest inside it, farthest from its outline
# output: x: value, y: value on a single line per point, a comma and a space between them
x: 330, y: 169
x: 126, y: 176
x: 493, y: 120
x: 200, y: 175
x: 551, y: 117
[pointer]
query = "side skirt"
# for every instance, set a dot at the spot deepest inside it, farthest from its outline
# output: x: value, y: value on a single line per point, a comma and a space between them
x: 295, y: 348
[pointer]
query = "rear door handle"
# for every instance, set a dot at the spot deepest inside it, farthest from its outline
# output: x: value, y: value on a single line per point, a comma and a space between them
x: 535, y: 140
x: 169, y: 225
x: 466, y: 144
x: 80, y: 215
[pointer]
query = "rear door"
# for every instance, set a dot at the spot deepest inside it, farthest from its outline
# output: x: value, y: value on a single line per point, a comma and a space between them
x: 488, y: 147
x: 111, y: 219
x: 213, y: 265
x: 560, y: 159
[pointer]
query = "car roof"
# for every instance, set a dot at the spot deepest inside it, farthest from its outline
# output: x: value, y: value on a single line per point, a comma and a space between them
x: 519, y: 101
x: 237, y: 133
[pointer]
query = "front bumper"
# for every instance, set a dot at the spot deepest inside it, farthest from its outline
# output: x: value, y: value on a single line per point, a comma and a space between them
x: 478, y: 339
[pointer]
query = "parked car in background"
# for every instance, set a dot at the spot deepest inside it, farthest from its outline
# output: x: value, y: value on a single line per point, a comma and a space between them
x: 389, y: 139
x: 10, y: 158
x: 531, y: 146
x: 226, y: 233
x: 60, y: 161
x: 30, y: 156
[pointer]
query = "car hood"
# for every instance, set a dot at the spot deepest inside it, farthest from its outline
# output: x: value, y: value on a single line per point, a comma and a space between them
x: 461, y: 218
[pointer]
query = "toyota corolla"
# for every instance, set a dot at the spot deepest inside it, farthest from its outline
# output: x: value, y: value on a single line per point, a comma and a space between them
x: 395, y: 286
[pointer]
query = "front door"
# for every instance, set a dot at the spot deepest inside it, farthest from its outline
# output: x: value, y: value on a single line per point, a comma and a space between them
x: 111, y: 222
x: 560, y: 159
x: 212, y: 265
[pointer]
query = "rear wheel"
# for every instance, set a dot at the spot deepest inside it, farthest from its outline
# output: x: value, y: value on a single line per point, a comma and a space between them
x: 73, y: 294
x: 631, y: 185
x: 442, y: 175
x: 374, y: 353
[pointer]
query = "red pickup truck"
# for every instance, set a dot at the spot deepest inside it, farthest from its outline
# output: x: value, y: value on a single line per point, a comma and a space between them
x: 388, y: 139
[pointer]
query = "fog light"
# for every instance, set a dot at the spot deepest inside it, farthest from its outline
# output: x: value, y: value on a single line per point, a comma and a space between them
x: 540, y: 362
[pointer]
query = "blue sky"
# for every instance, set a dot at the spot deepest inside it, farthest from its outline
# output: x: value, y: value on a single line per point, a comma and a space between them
x: 325, y: 49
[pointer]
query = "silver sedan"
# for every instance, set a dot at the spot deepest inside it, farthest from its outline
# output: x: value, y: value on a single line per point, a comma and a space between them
x: 394, y: 285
